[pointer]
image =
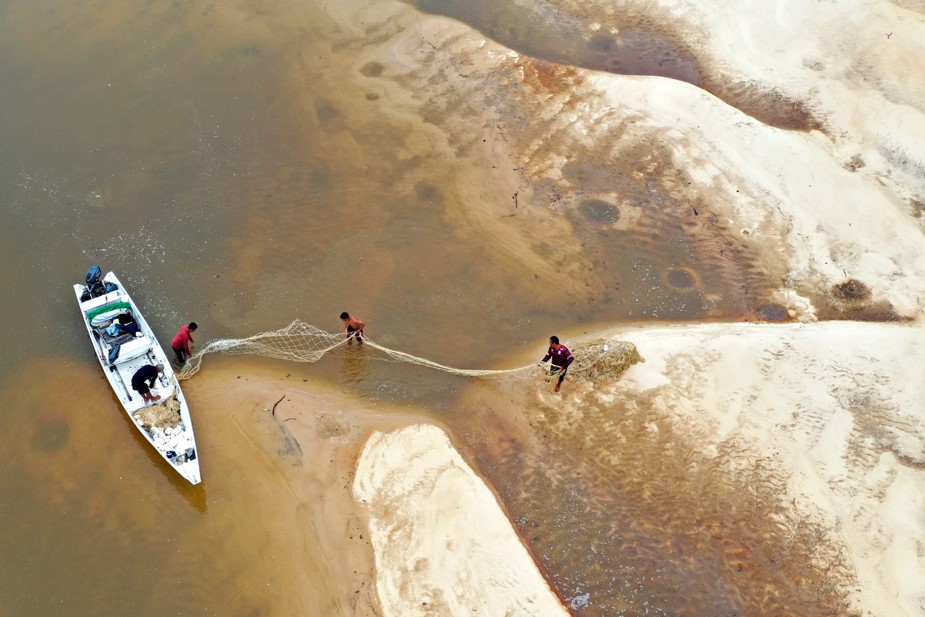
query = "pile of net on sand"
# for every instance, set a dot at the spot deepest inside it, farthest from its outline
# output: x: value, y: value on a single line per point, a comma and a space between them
x: 163, y: 415
x: 600, y: 361
x: 595, y: 362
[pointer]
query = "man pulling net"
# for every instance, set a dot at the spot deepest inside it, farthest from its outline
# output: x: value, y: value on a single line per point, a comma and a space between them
x: 594, y: 362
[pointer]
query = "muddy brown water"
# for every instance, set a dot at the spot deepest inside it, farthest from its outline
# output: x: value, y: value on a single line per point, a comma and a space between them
x: 214, y: 156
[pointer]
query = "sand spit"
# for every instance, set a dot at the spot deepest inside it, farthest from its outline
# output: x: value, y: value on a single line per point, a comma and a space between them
x: 442, y: 544
x: 838, y: 409
x: 382, y: 515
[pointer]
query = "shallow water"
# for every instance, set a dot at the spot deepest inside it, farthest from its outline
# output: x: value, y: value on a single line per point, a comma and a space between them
x: 94, y: 522
x: 626, y: 515
x: 620, y: 39
x: 215, y: 158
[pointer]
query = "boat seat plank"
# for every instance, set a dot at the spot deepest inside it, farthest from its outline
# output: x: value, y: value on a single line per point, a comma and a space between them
x: 136, y: 347
x: 99, y: 301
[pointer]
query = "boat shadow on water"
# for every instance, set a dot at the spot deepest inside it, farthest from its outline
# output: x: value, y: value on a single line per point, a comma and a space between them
x: 194, y: 494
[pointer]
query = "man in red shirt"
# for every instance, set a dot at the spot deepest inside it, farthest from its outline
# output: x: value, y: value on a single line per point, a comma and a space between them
x: 353, y: 327
x: 562, y: 358
x: 181, y: 342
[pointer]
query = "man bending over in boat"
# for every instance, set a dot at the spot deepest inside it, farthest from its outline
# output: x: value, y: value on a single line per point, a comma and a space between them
x: 181, y: 342
x: 143, y: 380
x: 353, y: 325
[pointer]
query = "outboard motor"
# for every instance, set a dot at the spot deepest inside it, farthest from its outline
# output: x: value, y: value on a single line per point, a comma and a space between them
x: 95, y: 286
x: 93, y: 275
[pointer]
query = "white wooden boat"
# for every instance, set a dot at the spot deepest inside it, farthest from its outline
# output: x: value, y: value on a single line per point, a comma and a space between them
x: 101, y: 301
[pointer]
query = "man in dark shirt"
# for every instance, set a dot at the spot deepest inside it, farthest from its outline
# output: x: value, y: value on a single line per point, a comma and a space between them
x: 562, y: 358
x: 143, y: 380
x: 125, y: 324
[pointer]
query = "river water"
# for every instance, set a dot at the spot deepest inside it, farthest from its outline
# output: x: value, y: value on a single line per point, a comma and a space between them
x: 213, y: 156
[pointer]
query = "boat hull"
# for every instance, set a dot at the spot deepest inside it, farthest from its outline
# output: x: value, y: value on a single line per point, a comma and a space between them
x: 176, y: 444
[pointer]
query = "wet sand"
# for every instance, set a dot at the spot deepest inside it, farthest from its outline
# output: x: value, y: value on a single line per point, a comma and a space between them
x: 833, y: 415
x: 348, y: 468
x: 807, y: 437
x: 296, y: 444
x: 442, y: 544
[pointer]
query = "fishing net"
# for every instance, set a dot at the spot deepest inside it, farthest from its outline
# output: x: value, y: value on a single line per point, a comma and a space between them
x: 595, y: 361
x: 600, y: 361
x: 162, y: 415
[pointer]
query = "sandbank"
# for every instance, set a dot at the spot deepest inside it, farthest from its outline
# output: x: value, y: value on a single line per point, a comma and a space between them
x: 442, y: 544
x: 837, y: 408
x: 405, y: 527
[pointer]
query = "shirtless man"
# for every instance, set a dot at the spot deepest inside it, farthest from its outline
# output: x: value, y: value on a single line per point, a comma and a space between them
x: 353, y: 327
